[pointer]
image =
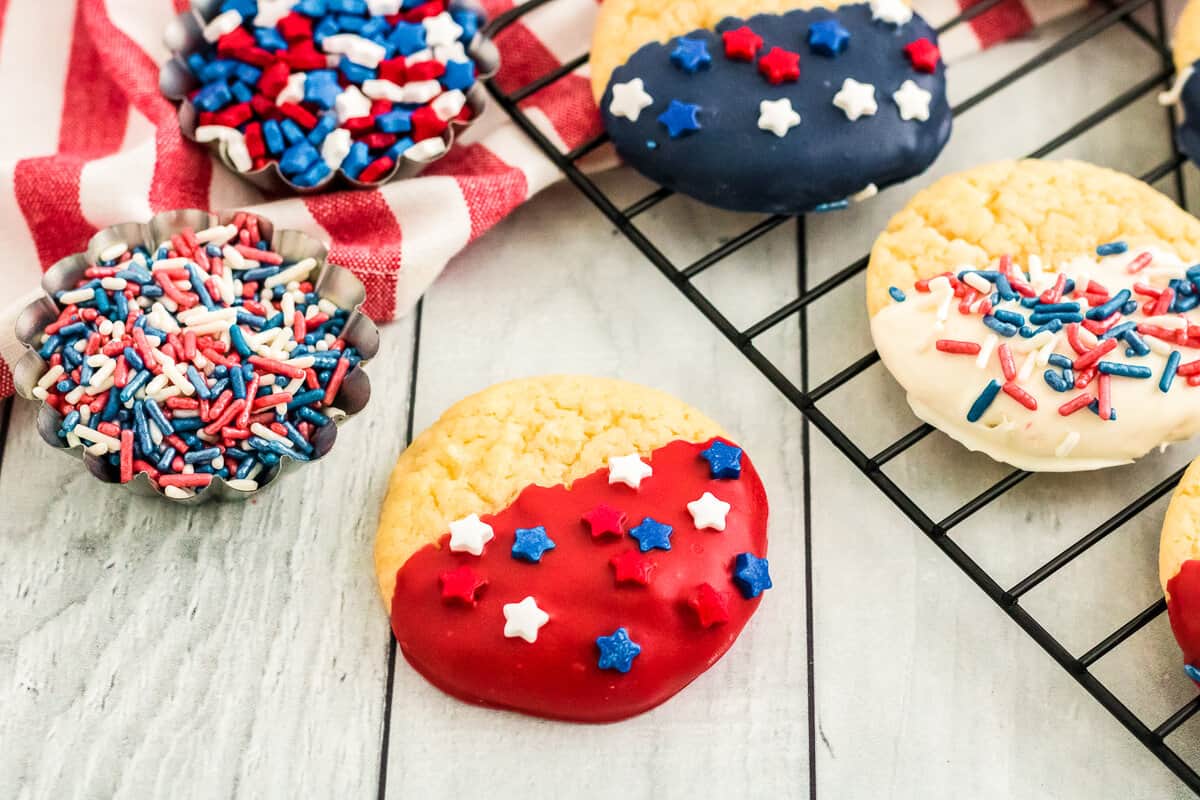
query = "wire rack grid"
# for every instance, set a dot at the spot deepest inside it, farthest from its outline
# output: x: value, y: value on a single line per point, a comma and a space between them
x: 870, y: 462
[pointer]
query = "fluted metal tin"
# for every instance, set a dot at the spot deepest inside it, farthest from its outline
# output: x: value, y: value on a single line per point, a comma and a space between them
x: 184, y: 36
x: 335, y: 283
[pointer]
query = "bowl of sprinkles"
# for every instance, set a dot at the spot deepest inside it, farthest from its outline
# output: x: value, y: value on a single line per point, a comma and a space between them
x: 307, y: 95
x: 197, y: 355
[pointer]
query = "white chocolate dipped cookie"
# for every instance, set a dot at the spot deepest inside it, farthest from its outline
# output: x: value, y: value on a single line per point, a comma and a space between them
x: 1044, y: 313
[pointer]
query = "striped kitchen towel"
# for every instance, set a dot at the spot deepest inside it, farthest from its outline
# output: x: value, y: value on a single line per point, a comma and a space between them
x: 89, y: 141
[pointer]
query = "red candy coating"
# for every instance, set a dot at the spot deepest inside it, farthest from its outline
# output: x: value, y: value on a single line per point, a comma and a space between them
x: 463, y: 651
x: 1183, y: 609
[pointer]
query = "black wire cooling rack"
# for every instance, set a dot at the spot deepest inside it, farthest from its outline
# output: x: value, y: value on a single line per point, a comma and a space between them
x: 1105, y: 15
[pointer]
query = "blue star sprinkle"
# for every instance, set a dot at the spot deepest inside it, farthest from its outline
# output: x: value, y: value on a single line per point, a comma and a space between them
x: 680, y: 118
x: 751, y: 575
x: 652, y: 534
x: 724, y: 460
x: 690, y: 55
x: 617, y: 651
x: 828, y: 38
x: 531, y: 543
x: 1192, y: 672
x: 458, y: 75
x: 321, y: 87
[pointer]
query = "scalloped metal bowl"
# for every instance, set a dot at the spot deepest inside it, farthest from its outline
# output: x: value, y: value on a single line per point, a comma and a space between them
x: 184, y: 36
x: 336, y: 283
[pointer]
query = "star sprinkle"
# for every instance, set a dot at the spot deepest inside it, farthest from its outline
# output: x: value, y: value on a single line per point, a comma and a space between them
x: 777, y: 116
x: 628, y: 99
x: 856, y: 99
x: 828, y: 38
x: 893, y: 11
x: 779, y: 66
x: 469, y: 535
x: 724, y: 460
x: 690, y: 55
x: 711, y: 606
x: 524, y: 620
x: 751, y: 575
x: 531, y: 543
x: 604, y: 520
x: 629, y: 470
x: 630, y: 567
x: 617, y: 651
x: 680, y: 118
x: 271, y: 11
x: 708, y: 512
x: 913, y: 101
x: 923, y: 54
x: 461, y: 584
x: 441, y: 29
x: 652, y: 535
x: 741, y: 44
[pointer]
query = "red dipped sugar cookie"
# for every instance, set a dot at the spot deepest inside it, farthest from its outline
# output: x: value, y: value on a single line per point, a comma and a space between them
x: 1179, y: 567
x: 570, y: 547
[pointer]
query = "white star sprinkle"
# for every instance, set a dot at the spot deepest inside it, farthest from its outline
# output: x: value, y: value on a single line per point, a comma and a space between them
x: 856, y: 99
x: 469, y: 535
x: 383, y: 8
x: 350, y: 104
x: 913, y: 101
x: 708, y: 512
x: 629, y: 470
x: 293, y: 90
x: 441, y: 29
x: 777, y: 116
x: 628, y: 99
x: 893, y: 11
x: 523, y: 619
x: 271, y: 11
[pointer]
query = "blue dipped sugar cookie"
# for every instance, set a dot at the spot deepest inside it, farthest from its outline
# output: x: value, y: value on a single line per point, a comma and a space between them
x: 1186, y: 91
x: 786, y: 113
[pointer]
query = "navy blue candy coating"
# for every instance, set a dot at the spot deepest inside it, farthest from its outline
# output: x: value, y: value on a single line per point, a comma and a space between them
x: 731, y: 163
x: 1188, y: 133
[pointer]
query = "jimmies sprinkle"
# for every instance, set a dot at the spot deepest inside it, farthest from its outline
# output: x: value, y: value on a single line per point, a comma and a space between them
x: 212, y: 356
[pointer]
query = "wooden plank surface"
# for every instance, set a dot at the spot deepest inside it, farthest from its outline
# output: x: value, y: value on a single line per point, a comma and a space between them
x: 154, y: 651
x: 582, y: 304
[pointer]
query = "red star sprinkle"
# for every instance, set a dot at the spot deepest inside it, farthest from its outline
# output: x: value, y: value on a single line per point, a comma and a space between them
x: 742, y: 44
x: 461, y: 585
x: 780, y: 65
x: 632, y: 567
x: 605, y: 520
x: 711, y: 606
x: 923, y: 54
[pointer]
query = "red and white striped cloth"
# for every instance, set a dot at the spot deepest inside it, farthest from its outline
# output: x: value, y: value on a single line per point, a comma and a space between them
x: 88, y: 141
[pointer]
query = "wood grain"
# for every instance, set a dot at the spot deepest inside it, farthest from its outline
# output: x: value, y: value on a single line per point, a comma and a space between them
x: 152, y: 651
x: 568, y: 305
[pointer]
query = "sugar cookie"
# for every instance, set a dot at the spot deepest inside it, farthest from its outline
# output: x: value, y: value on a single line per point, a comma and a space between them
x: 575, y: 548
x: 1043, y: 312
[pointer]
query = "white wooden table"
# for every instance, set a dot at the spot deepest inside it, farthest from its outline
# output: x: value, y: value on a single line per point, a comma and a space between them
x: 241, y: 650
